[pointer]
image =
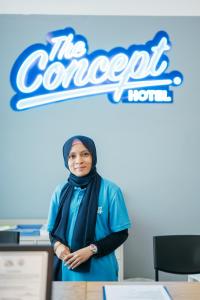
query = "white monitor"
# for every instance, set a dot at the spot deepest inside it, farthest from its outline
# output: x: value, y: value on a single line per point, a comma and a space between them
x: 26, y: 272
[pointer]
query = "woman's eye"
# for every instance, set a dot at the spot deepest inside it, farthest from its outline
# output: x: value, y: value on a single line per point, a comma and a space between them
x: 86, y: 154
x: 72, y: 156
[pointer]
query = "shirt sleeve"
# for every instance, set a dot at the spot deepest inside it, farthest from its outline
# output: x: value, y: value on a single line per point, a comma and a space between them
x: 53, y: 209
x: 118, y: 214
x: 111, y: 242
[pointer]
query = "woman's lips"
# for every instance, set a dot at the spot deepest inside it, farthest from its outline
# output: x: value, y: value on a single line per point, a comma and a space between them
x: 80, y: 168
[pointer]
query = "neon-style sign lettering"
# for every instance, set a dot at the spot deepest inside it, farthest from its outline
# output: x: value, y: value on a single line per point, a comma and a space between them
x: 63, y: 69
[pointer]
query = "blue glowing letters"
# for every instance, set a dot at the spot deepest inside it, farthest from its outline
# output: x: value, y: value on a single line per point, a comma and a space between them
x: 63, y: 69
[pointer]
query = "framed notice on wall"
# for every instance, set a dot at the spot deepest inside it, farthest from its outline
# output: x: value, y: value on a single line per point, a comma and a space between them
x: 25, y: 272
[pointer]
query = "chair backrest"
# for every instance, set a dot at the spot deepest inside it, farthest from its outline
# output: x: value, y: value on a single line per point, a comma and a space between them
x: 9, y: 237
x: 178, y: 254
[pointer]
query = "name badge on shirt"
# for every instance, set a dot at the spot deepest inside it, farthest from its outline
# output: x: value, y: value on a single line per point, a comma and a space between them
x: 100, y: 210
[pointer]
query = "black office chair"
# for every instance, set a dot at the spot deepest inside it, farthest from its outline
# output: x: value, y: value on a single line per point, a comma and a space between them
x: 177, y: 254
x: 9, y: 237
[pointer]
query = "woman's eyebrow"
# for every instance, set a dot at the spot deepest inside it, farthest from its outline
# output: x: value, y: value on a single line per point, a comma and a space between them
x: 72, y: 153
x: 77, y: 152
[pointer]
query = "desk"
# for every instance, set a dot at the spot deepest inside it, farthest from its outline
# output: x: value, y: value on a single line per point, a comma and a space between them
x: 69, y: 290
x: 93, y: 290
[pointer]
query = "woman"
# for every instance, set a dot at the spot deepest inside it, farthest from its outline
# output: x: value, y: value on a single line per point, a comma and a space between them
x: 87, y: 219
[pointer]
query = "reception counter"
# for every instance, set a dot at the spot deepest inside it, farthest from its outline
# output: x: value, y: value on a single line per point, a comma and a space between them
x: 93, y: 290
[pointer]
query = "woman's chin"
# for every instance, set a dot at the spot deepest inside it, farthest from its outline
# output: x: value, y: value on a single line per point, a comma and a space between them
x: 81, y: 173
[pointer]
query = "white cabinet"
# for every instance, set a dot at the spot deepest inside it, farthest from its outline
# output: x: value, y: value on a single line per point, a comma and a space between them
x: 119, y: 252
x: 36, y: 240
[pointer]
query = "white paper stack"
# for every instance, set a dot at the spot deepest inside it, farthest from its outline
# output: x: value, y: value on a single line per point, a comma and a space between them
x: 135, y: 292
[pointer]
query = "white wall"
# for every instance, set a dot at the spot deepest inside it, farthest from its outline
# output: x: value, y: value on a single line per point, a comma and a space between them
x: 103, y: 7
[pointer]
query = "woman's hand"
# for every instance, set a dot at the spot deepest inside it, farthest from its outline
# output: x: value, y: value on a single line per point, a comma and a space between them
x: 61, y: 250
x: 76, y: 258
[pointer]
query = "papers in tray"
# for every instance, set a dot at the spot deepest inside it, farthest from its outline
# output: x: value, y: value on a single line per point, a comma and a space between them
x: 135, y: 292
x: 29, y: 229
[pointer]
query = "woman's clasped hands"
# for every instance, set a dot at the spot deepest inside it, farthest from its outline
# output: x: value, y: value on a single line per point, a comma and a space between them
x: 74, y: 259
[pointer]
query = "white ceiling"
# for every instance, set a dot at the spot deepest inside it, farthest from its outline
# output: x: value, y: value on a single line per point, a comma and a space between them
x: 103, y: 7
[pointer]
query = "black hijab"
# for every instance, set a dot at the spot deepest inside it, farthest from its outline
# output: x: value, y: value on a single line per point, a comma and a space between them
x: 84, y: 229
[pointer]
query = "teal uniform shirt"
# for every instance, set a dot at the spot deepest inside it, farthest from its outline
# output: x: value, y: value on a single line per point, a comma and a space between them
x: 112, y: 216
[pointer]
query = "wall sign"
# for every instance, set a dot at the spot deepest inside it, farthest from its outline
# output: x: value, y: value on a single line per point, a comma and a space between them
x: 64, y: 69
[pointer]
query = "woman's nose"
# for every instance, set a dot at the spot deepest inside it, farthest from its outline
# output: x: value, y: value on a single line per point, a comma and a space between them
x: 79, y: 159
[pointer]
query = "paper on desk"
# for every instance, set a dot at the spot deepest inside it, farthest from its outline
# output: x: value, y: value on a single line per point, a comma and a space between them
x: 7, y: 227
x: 135, y: 292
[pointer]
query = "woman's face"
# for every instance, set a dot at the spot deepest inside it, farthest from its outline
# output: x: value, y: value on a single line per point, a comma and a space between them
x: 79, y: 160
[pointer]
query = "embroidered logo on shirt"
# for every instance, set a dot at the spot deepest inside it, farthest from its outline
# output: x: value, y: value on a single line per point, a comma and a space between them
x: 100, y: 210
